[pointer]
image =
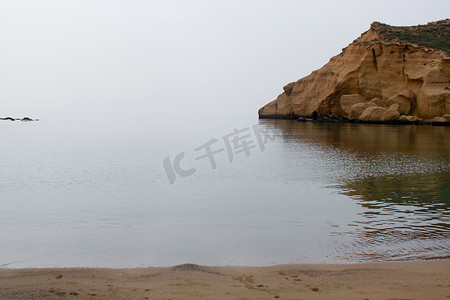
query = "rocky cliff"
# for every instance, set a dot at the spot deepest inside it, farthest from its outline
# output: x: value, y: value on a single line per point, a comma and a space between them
x: 387, y: 74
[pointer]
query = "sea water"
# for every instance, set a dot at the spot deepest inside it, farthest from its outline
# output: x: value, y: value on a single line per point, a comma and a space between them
x: 143, y: 190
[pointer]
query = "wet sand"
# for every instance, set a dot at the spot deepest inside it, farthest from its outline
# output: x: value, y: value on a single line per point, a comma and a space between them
x: 403, y: 280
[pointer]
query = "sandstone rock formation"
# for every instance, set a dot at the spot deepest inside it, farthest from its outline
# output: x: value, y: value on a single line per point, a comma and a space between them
x: 387, y: 74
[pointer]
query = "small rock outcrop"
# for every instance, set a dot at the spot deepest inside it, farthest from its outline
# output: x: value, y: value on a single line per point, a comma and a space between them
x: 387, y: 74
x: 25, y: 119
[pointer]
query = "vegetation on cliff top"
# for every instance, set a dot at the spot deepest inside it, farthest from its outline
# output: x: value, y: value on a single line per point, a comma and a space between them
x: 434, y: 34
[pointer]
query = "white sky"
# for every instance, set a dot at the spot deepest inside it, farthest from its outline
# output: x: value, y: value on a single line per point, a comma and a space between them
x: 118, y: 56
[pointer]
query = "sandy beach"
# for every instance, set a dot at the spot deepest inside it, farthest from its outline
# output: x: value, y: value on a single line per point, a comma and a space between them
x: 396, y: 280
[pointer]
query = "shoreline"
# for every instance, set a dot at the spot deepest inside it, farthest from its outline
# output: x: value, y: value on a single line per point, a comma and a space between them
x: 378, y: 280
x: 338, y: 119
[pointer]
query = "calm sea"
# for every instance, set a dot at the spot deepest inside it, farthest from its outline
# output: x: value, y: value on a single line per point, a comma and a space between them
x: 149, y: 190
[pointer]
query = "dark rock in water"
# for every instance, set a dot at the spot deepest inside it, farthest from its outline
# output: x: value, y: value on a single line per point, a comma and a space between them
x: 402, y: 122
x: 303, y: 119
x: 25, y: 119
x: 289, y: 117
x: 440, y: 123
x: 323, y: 117
x: 331, y: 118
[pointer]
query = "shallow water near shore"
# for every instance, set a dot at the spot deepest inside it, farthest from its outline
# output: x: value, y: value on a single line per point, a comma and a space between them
x: 91, y: 192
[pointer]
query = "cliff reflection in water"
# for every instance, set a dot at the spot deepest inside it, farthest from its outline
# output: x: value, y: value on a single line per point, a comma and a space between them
x: 368, y: 138
x: 403, y: 210
x: 400, y: 175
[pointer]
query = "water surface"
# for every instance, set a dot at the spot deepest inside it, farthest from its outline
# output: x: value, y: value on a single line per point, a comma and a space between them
x: 94, y: 192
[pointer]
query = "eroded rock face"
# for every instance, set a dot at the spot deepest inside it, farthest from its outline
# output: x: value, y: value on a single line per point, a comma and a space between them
x: 358, y: 108
x: 348, y: 101
x: 376, y: 78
